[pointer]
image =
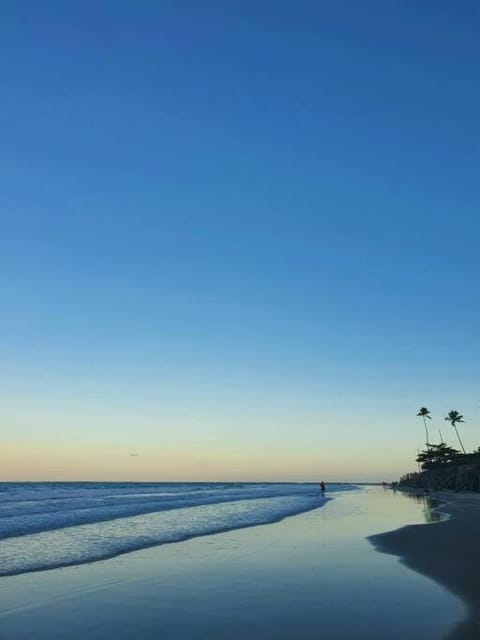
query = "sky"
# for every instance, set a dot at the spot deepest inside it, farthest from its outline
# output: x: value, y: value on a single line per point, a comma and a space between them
x: 239, y: 240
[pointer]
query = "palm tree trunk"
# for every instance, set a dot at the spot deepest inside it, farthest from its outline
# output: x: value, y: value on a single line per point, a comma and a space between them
x: 426, y: 430
x: 459, y: 439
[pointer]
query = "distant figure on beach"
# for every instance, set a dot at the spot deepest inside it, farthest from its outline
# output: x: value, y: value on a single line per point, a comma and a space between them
x: 322, y: 486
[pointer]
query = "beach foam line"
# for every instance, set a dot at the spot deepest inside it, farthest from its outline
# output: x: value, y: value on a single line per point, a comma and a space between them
x: 101, y: 540
x: 77, y: 506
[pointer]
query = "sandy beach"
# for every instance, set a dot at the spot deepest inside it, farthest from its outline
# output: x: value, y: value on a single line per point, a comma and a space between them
x: 239, y: 303
x: 313, y: 575
x: 447, y: 551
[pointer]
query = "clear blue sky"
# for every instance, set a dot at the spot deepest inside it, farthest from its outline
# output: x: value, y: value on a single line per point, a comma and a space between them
x: 240, y: 239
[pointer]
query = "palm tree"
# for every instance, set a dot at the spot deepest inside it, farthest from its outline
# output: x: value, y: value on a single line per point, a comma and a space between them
x: 454, y: 417
x: 425, y: 413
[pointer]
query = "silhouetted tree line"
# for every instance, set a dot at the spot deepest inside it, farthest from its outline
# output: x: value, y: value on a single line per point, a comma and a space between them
x: 439, y: 455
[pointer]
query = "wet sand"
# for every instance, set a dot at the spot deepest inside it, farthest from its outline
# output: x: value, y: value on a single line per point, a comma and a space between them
x: 308, y: 577
x: 447, y: 551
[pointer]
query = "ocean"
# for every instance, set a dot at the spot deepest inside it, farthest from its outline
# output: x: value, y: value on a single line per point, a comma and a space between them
x: 58, y: 524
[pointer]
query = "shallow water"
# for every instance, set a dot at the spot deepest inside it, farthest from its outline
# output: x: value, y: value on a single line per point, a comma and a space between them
x: 50, y: 525
x: 311, y: 576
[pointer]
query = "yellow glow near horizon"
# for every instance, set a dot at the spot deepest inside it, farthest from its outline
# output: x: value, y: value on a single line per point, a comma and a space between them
x: 62, y: 462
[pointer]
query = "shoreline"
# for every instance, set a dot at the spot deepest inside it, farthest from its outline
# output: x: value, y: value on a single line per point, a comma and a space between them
x: 445, y: 551
x: 310, y: 576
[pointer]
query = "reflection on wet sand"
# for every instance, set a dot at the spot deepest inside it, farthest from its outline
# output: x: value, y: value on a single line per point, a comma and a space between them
x: 429, y: 507
x: 311, y: 576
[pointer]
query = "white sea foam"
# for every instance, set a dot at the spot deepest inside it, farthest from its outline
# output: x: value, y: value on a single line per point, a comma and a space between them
x: 47, y: 526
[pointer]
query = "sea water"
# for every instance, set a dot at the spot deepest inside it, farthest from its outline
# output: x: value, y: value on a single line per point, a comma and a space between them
x: 49, y: 525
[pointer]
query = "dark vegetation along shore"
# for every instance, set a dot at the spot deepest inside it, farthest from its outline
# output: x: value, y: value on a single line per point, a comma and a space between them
x: 454, y: 477
x: 446, y: 551
x: 441, y: 466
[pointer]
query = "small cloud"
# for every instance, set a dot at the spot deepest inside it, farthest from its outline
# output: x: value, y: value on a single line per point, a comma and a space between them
x: 134, y: 455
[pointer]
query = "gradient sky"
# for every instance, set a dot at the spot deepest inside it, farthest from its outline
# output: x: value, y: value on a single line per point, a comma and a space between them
x: 238, y: 239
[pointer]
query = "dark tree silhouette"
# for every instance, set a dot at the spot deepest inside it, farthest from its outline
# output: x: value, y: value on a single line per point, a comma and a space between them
x: 454, y: 417
x: 438, y: 455
x: 425, y: 413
